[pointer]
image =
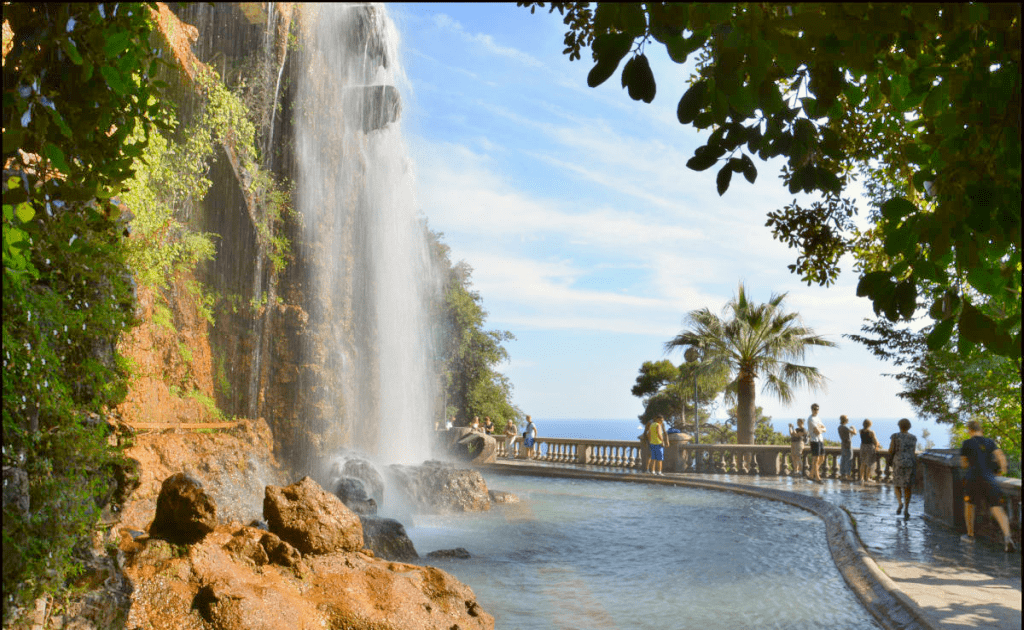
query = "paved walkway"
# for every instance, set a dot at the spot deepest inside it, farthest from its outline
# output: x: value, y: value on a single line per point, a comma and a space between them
x: 951, y: 584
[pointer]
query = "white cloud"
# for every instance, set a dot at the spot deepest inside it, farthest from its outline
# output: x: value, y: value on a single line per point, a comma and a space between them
x: 487, y: 42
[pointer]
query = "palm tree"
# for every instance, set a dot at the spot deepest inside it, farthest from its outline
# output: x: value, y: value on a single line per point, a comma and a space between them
x: 757, y: 340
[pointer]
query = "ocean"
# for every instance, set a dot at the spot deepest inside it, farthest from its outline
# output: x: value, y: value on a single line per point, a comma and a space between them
x: 629, y: 429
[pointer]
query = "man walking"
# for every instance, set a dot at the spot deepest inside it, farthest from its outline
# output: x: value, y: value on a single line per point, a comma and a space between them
x: 981, y: 457
x: 846, y: 454
x: 816, y: 437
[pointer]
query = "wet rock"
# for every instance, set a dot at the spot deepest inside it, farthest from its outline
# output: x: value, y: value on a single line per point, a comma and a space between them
x: 500, y: 496
x: 439, y: 487
x: 279, y: 552
x: 459, y: 553
x: 247, y: 543
x: 352, y: 493
x: 184, y: 512
x: 311, y: 519
x: 376, y: 105
x: 386, y: 538
x: 210, y: 587
x: 367, y: 473
x: 258, y: 524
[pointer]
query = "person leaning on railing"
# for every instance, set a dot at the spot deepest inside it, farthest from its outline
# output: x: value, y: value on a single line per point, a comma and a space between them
x: 981, y: 458
x: 868, y: 446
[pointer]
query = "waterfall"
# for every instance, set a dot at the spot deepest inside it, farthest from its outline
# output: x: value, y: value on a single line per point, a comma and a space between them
x: 370, y: 380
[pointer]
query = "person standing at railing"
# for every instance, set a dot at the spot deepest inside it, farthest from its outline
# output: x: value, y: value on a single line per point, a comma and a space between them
x: 816, y: 433
x: 529, y: 437
x: 657, y: 439
x: 903, y: 460
x: 511, y: 435
x: 797, y: 437
x: 846, y: 450
x: 488, y: 425
x: 981, y: 458
x: 868, y: 446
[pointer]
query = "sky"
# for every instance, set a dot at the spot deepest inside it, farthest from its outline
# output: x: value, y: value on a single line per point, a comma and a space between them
x: 589, y: 238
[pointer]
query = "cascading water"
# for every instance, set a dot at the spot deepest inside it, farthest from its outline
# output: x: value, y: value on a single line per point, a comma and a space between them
x: 371, y: 382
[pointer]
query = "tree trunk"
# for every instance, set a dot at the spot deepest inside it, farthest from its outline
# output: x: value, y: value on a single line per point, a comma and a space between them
x: 745, y: 410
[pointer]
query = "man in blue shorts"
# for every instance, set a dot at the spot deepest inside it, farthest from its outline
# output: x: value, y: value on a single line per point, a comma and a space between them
x: 981, y: 457
x: 656, y: 440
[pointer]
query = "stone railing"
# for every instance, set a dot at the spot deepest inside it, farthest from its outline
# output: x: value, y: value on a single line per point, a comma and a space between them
x: 682, y: 457
x: 625, y: 454
x: 944, y: 491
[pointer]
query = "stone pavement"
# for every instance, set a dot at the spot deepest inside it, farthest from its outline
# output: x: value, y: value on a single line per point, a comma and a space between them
x: 943, y: 582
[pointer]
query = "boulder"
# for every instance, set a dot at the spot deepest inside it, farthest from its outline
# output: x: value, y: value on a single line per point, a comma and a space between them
x: 439, y: 487
x: 386, y: 538
x: 184, y: 511
x: 311, y: 519
x: 210, y: 587
x: 247, y: 543
x: 499, y: 496
x: 280, y: 552
x: 459, y: 553
x: 367, y: 473
x: 352, y: 493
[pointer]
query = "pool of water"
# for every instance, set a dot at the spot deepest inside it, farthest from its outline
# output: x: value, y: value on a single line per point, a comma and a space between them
x: 590, y: 554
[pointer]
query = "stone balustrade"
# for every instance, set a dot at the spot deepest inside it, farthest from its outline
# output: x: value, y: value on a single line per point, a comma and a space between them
x: 938, y: 471
x: 733, y: 459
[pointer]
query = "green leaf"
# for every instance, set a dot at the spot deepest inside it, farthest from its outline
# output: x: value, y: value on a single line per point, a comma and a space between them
x: 905, y: 296
x: 703, y: 159
x: 874, y: 283
x: 902, y: 240
x: 897, y: 208
x: 631, y: 19
x: 940, y: 335
x: 749, y: 170
x: 72, y: 51
x: 641, y: 79
x: 691, y: 103
x: 56, y: 157
x: 24, y: 212
x: 679, y: 47
x: 722, y: 181
x: 116, y: 82
x: 116, y: 43
x: 609, y: 49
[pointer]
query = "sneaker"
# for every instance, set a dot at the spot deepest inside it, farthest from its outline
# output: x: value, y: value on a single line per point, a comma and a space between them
x: 967, y: 539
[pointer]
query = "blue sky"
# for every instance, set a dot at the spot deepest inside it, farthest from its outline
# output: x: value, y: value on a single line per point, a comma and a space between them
x: 589, y: 238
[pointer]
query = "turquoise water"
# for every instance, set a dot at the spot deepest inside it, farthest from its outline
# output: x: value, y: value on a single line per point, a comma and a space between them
x: 628, y: 429
x: 577, y: 554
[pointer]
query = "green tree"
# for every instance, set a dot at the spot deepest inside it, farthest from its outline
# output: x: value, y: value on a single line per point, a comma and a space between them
x: 951, y: 382
x: 78, y: 108
x: 755, y: 340
x: 764, y: 433
x: 927, y: 95
x: 667, y: 390
x: 467, y: 353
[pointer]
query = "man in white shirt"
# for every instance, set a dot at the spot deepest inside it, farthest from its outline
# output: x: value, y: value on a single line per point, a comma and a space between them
x: 816, y: 437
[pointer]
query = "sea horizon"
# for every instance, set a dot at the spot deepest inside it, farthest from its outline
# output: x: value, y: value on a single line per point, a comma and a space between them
x: 628, y: 429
